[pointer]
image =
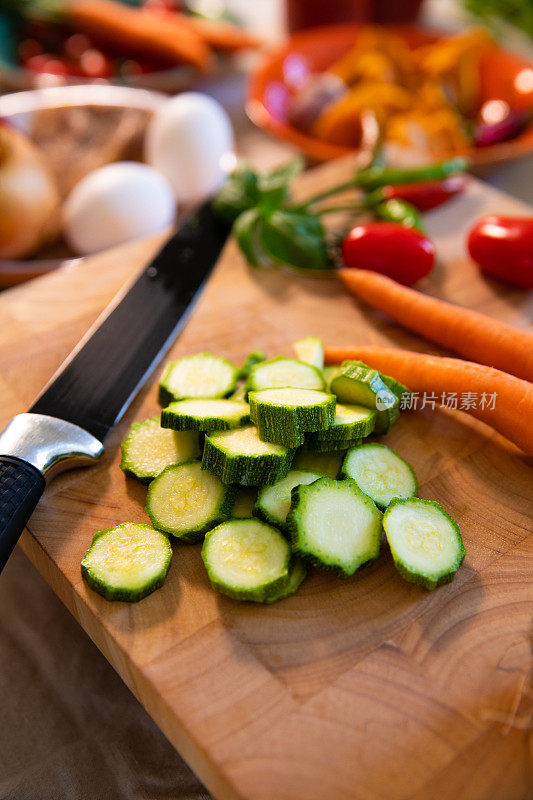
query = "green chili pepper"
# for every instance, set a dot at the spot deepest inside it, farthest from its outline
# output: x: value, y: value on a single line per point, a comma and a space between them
x: 399, y: 211
x: 377, y: 176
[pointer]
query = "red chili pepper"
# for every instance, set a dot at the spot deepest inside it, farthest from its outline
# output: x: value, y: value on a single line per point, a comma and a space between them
x: 404, y: 254
x: 425, y: 195
x: 503, y: 248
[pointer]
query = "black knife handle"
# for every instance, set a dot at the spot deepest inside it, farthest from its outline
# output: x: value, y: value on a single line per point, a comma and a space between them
x: 21, y: 487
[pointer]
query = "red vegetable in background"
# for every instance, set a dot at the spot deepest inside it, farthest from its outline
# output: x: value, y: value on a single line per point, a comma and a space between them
x: 425, y: 195
x: 503, y: 248
x: 404, y: 254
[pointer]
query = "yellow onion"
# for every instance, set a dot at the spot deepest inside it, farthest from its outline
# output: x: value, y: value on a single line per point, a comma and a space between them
x: 29, y: 199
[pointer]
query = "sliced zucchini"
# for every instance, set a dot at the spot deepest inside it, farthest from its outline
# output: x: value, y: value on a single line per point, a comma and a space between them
x: 201, y: 375
x: 239, y: 394
x: 380, y: 473
x: 274, y: 502
x: 329, y: 373
x: 399, y: 389
x: 247, y: 560
x: 240, y: 456
x: 425, y: 541
x: 310, y: 350
x: 205, y: 415
x: 256, y: 357
x: 350, y: 423
x: 187, y: 501
x: 357, y: 384
x: 148, y: 449
x: 285, y: 415
x: 245, y: 501
x: 334, y: 525
x: 316, y: 445
x: 297, y: 572
x: 327, y: 463
x: 127, y: 562
x: 280, y: 372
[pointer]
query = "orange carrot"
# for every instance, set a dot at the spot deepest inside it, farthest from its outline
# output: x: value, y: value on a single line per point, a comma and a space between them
x: 222, y: 35
x: 502, y: 401
x: 139, y: 32
x: 473, y: 335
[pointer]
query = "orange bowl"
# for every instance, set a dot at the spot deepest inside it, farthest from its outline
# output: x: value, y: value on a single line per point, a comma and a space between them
x: 504, y: 76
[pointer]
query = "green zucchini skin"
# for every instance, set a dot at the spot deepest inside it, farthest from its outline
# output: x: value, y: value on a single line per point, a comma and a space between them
x: 268, y: 591
x: 123, y: 593
x: 426, y: 579
x: 175, y: 415
x: 309, y: 377
x: 315, y: 445
x: 364, y: 386
x: 168, y: 392
x: 287, y: 424
x: 298, y: 527
x: 191, y: 533
x: 186, y: 448
x: 254, y: 358
x: 297, y: 573
x: 326, y: 463
x: 245, y: 469
x: 369, y: 450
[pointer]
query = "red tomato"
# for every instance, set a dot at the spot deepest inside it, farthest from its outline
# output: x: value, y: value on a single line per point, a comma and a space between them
x: 162, y: 6
x: 45, y: 62
x: 404, y: 254
x: 503, y: 248
x: 426, y: 195
x: 94, y: 64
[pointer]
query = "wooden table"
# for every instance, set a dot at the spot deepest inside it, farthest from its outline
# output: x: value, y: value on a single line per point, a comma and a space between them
x: 362, y: 689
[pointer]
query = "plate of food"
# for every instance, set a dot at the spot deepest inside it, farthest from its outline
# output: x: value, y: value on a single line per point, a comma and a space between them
x: 431, y: 96
x: 155, y: 44
x: 86, y: 168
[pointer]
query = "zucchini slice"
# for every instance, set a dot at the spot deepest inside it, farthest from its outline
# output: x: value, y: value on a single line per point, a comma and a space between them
x: 380, y: 473
x: 274, y: 502
x: 285, y: 415
x: 247, y: 560
x: 334, y: 525
x: 148, y: 449
x: 127, y: 562
x: 240, y: 456
x: 310, y: 350
x: 425, y: 541
x: 350, y: 423
x: 256, y: 357
x: 329, y: 373
x: 187, y: 501
x: 205, y: 415
x: 280, y: 372
x: 297, y: 573
x: 245, y: 500
x: 357, y: 384
x: 326, y: 463
x: 316, y: 445
x: 201, y: 375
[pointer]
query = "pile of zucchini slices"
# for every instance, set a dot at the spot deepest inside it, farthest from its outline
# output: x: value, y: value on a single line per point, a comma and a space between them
x: 267, y: 467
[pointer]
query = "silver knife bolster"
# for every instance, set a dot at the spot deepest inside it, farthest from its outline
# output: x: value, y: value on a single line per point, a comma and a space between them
x: 49, y: 444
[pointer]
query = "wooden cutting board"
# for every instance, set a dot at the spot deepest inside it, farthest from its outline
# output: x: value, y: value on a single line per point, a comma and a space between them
x: 368, y: 688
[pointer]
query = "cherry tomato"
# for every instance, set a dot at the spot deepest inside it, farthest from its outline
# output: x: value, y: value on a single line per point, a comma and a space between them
x: 426, y: 195
x: 75, y: 46
x: 94, y: 64
x: 404, y: 254
x: 503, y: 248
x: 45, y: 62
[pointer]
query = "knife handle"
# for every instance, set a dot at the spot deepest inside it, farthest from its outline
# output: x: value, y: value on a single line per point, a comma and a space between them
x: 21, y: 487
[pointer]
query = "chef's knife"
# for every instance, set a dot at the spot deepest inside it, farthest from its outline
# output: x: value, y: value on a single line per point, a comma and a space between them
x: 92, y: 389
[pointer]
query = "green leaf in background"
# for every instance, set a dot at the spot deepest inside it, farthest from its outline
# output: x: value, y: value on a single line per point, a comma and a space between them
x: 275, y: 185
x: 517, y: 12
x: 246, y: 229
x: 295, y: 239
x: 238, y: 194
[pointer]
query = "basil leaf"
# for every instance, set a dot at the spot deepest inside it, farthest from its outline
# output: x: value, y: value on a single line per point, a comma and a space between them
x: 295, y: 239
x: 274, y: 186
x: 246, y: 230
x: 238, y: 194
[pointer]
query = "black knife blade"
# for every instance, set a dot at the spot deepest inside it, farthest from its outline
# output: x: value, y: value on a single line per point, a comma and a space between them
x: 92, y: 389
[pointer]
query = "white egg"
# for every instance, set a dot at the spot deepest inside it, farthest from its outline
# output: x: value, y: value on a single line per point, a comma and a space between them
x: 115, y: 204
x: 190, y: 141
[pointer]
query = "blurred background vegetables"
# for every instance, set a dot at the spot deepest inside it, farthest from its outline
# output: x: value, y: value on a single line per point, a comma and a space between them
x: 516, y: 12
